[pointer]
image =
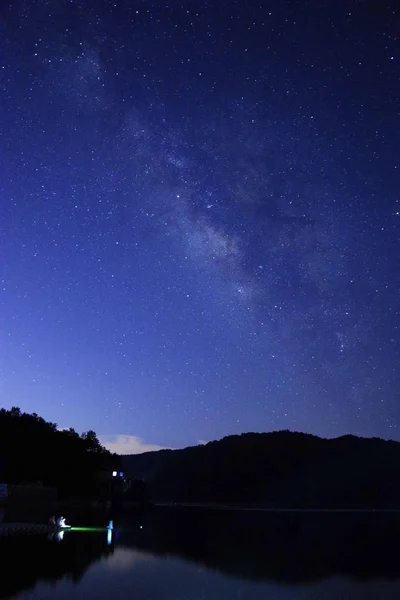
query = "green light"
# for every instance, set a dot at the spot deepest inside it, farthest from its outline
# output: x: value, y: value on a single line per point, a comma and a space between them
x: 88, y: 529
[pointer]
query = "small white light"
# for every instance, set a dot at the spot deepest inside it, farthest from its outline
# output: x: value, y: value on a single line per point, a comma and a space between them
x: 114, y: 473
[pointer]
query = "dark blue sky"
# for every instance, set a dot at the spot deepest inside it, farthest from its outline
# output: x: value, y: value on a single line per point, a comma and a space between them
x: 200, y: 217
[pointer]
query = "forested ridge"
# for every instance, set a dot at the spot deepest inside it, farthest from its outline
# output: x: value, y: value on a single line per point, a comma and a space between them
x: 282, y: 468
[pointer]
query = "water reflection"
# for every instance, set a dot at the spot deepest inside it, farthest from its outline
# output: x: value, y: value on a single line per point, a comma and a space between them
x: 284, y: 547
x: 125, y: 558
x: 26, y: 560
x: 174, y: 554
x: 59, y: 536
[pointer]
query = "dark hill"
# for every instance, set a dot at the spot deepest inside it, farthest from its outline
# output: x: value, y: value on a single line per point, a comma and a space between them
x: 278, y: 469
x: 34, y: 451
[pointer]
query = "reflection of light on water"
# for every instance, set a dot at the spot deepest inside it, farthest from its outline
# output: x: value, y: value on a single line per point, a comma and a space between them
x: 59, y: 536
x: 125, y: 558
x: 109, y: 536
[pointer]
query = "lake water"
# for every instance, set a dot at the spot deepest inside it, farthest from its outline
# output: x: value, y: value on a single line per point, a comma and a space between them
x: 192, y: 554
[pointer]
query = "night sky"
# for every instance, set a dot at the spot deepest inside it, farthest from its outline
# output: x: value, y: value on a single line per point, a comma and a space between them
x: 200, y: 217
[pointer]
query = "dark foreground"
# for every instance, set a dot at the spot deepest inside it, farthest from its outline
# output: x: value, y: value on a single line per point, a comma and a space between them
x: 204, y: 554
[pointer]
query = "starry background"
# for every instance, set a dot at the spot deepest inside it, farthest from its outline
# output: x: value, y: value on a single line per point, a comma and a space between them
x: 200, y: 217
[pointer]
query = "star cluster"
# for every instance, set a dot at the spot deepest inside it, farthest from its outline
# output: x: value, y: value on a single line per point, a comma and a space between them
x: 200, y: 216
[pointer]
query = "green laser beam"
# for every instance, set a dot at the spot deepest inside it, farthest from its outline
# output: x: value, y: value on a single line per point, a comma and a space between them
x: 88, y: 529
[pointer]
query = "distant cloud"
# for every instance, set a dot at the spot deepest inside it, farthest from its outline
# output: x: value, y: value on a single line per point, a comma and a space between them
x: 202, y: 442
x: 127, y: 444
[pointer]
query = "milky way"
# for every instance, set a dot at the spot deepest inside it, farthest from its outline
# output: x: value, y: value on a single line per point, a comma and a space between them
x: 200, y: 218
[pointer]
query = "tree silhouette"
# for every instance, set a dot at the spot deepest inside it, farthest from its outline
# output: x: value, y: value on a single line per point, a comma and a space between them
x: 33, y: 450
x: 91, y: 441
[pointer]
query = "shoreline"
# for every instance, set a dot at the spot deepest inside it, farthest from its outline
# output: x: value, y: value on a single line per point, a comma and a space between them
x: 254, y: 508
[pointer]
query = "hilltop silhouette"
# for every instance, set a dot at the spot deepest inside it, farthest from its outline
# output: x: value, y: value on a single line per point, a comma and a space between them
x: 280, y: 469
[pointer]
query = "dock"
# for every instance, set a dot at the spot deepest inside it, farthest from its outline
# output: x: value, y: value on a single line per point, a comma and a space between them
x: 27, y: 529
